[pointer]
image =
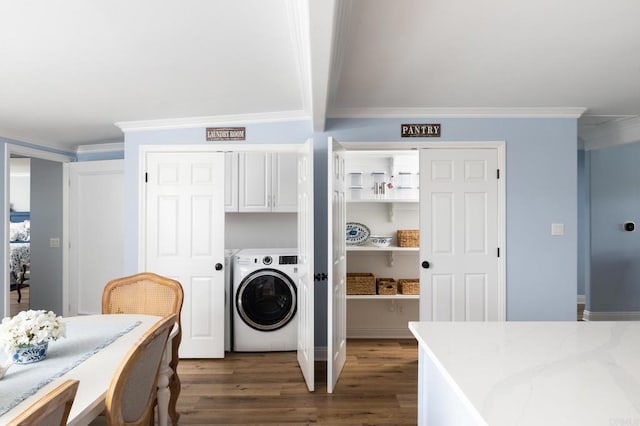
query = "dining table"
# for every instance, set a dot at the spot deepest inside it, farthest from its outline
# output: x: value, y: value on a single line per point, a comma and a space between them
x: 91, y: 351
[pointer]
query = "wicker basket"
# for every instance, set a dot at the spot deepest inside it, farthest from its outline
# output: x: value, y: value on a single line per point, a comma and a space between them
x: 387, y: 286
x: 361, y: 283
x: 408, y: 237
x: 409, y: 286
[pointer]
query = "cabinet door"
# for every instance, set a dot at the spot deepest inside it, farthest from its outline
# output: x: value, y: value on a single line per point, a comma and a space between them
x: 285, y: 178
x: 230, y: 181
x: 254, y: 182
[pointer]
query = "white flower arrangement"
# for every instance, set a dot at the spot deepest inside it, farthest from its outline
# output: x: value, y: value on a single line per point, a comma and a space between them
x: 29, y: 328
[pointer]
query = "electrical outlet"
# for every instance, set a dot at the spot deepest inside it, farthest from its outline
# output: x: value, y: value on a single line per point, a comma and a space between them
x: 54, y: 242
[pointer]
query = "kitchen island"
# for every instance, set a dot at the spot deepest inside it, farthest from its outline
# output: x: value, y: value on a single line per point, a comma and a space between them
x: 528, y: 373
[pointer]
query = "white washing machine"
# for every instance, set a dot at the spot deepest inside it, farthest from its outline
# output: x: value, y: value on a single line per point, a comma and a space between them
x: 265, y: 300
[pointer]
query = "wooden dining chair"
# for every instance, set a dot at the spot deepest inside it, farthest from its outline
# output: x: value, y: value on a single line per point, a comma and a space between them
x: 149, y: 293
x: 50, y: 410
x: 132, y: 392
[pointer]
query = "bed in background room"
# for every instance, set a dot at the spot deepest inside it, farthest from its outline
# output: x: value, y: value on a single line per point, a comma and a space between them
x: 20, y: 252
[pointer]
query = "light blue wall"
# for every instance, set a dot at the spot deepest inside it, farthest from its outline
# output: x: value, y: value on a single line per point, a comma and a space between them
x: 46, y: 223
x: 541, y: 189
x: 615, y: 254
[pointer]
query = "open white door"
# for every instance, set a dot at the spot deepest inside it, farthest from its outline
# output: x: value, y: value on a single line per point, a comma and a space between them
x: 336, y: 264
x: 184, y: 240
x: 460, y: 275
x: 306, y: 336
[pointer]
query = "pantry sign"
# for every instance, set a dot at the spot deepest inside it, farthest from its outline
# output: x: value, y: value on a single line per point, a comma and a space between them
x: 420, y: 130
x: 226, y: 133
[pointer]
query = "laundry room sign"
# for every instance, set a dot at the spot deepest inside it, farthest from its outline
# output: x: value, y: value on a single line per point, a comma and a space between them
x: 226, y: 133
x: 420, y: 130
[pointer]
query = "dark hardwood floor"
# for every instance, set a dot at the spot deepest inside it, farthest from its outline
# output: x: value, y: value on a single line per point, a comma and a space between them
x: 378, y: 386
x: 14, y: 306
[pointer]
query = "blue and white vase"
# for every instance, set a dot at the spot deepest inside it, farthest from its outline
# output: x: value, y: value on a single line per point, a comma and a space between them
x: 31, y: 353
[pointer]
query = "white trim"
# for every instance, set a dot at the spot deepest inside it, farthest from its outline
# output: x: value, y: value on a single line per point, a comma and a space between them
x: 378, y: 333
x: 100, y: 148
x: 36, y: 153
x: 611, y: 316
x: 543, y: 112
x: 191, y: 122
x: 616, y: 132
x: 411, y: 144
x: 581, y: 299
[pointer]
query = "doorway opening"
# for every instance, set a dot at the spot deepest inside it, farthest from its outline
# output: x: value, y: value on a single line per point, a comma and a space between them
x: 34, y: 183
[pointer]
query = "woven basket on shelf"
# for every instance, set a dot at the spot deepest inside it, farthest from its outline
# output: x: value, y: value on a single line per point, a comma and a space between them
x: 409, y: 286
x: 408, y: 237
x: 361, y: 283
x: 387, y: 286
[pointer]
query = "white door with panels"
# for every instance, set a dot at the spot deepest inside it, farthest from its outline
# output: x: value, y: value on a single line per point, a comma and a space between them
x: 96, y: 231
x: 337, y: 265
x: 459, y: 235
x: 306, y: 297
x: 183, y: 217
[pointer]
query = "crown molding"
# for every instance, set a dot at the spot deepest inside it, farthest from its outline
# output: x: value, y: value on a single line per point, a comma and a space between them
x: 616, y: 132
x: 191, y: 122
x: 100, y: 148
x: 551, y: 112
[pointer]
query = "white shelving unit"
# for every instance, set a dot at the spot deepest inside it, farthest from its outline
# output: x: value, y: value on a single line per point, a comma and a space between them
x: 383, y: 212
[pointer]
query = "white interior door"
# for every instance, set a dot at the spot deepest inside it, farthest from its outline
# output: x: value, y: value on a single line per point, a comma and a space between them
x: 306, y: 336
x: 459, y: 235
x: 96, y: 231
x: 184, y: 240
x: 337, y: 265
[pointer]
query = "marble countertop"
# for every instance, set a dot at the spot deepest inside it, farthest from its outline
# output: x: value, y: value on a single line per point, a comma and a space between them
x: 540, y: 373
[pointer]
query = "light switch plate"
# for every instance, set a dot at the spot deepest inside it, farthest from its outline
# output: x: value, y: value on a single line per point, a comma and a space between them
x: 557, y: 229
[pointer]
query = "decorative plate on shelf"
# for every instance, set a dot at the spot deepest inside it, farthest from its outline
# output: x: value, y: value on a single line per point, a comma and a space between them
x: 357, y: 233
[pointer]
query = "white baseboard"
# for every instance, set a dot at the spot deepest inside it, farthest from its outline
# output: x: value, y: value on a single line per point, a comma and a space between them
x: 581, y: 299
x: 377, y: 333
x: 611, y: 316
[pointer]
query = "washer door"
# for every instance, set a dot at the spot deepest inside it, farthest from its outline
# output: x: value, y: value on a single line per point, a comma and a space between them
x: 266, y: 299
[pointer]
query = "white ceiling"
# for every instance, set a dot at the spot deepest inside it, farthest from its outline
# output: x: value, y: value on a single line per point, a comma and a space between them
x: 71, y: 69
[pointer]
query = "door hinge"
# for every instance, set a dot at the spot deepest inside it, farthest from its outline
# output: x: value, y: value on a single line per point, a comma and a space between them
x: 498, y: 173
x: 498, y: 251
x: 320, y: 276
x: 146, y: 177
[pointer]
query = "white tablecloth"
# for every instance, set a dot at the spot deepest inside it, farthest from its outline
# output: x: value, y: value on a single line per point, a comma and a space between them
x: 82, y: 341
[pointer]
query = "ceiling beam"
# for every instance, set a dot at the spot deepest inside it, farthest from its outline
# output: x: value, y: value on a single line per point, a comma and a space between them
x: 321, y: 44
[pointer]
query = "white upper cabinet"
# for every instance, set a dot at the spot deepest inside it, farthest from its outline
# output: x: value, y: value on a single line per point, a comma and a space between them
x: 230, y: 181
x: 267, y: 182
x: 284, y: 183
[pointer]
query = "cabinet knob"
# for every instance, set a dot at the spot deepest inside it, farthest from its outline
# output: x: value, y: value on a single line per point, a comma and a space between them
x: 425, y: 264
x: 218, y: 266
